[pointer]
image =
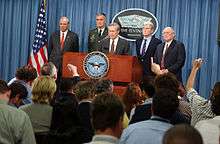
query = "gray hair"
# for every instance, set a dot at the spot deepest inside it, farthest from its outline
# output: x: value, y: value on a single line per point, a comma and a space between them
x: 63, y: 17
x: 149, y: 23
x: 115, y: 25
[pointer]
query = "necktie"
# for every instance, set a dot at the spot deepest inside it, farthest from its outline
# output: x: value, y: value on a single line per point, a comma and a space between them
x: 112, y: 47
x: 143, y: 48
x: 62, y: 41
x: 100, y: 33
x: 162, y: 59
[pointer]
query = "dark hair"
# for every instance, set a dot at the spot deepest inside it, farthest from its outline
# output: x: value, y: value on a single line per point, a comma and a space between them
x: 48, y: 69
x: 215, y: 104
x: 26, y: 73
x: 85, y: 90
x: 18, y: 88
x: 184, y: 134
x: 167, y: 81
x: 148, y: 87
x: 216, y: 89
x: 215, y: 99
x: 3, y: 87
x: 165, y: 103
x: 132, y: 97
x: 103, y: 85
x: 107, y: 111
x: 67, y: 84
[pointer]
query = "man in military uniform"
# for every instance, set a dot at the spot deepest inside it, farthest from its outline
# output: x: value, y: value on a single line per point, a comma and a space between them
x: 97, y: 34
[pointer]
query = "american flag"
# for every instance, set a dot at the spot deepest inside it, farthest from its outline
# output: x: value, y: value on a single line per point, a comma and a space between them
x: 39, y: 48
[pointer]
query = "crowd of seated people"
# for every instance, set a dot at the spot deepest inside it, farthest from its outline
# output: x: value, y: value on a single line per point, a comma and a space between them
x: 156, y: 111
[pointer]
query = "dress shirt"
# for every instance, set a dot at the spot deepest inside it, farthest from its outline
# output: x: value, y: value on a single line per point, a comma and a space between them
x: 104, y: 139
x: 147, y: 44
x: 65, y: 33
x: 115, y: 43
x: 166, y: 46
x: 209, y: 129
x: 145, y: 132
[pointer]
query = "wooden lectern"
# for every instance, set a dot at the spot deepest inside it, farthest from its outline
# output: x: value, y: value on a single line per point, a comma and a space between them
x: 123, y: 69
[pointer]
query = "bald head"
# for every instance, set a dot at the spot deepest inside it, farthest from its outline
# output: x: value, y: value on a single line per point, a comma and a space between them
x: 168, y: 34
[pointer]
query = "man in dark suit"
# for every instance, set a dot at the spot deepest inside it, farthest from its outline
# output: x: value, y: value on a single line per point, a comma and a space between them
x: 113, y: 43
x: 146, y: 47
x: 171, y: 54
x: 62, y: 41
x: 97, y: 34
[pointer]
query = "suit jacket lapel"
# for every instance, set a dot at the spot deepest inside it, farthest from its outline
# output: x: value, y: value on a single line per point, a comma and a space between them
x: 117, y: 51
x: 172, y: 45
x: 57, y: 38
x: 66, y: 39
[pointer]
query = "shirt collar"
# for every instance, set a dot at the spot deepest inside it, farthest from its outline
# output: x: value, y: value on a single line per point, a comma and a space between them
x: 107, y: 138
x: 3, y: 102
x: 148, y: 38
x: 63, y: 32
x: 168, y: 43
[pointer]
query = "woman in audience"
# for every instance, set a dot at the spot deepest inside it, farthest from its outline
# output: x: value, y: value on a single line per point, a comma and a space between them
x: 40, y: 112
x: 132, y: 97
x: 182, y: 134
x: 143, y: 112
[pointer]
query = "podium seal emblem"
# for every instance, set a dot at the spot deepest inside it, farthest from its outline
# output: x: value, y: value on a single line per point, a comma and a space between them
x: 96, y: 65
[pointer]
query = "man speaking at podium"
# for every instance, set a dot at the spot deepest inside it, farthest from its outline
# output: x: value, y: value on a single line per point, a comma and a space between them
x: 113, y: 44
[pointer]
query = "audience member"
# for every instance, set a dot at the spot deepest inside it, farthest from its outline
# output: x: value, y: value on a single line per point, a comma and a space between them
x: 165, y: 103
x: 104, y: 85
x: 85, y: 92
x: 49, y: 69
x: 107, y: 118
x: 25, y: 75
x: 200, y: 107
x: 18, y: 93
x: 182, y: 134
x: 169, y: 81
x: 40, y: 112
x: 132, y: 97
x: 65, y: 124
x: 143, y: 112
x: 15, y: 124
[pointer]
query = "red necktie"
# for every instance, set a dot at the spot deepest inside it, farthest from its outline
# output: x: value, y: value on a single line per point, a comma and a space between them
x: 162, y: 66
x: 112, y: 47
x: 62, y: 41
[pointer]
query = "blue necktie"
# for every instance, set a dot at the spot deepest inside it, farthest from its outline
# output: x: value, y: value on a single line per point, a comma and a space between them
x: 144, y: 47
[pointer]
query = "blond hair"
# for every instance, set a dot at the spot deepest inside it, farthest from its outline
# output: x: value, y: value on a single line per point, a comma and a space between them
x: 43, y: 89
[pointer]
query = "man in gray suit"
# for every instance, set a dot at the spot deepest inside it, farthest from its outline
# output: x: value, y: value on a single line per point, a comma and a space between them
x: 98, y: 33
x: 113, y: 43
x: 62, y: 41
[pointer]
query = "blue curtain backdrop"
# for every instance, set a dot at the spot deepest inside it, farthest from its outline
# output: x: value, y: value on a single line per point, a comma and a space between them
x: 195, y: 23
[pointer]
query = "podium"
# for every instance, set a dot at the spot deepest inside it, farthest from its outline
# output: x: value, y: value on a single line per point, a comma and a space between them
x: 123, y: 69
